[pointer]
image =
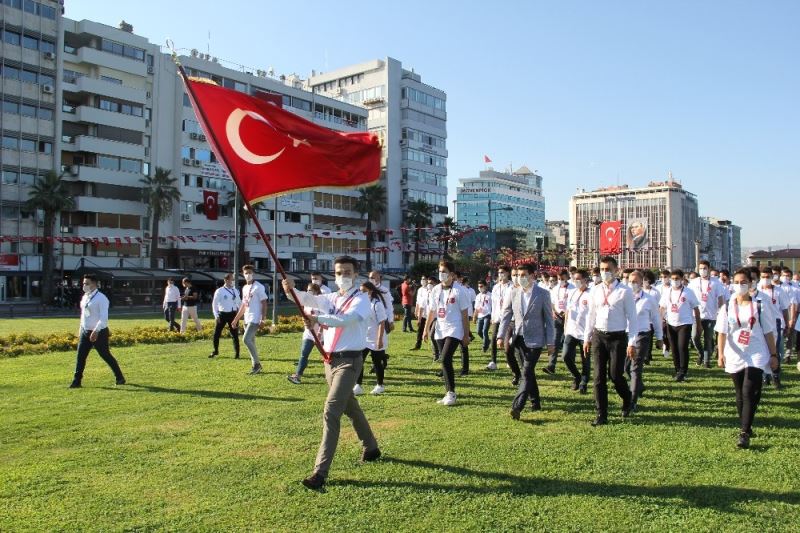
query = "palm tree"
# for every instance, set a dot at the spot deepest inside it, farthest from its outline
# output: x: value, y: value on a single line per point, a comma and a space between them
x: 419, y: 214
x: 50, y: 195
x: 371, y: 204
x: 445, y: 234
x: 160, y: 193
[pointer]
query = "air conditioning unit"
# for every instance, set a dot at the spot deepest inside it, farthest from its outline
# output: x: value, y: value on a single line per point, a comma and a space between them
x: 150, y: 70
x: 48, y: 89
x: 187, y: 161
x: 201, y: 137
x: 196, y: 162
x: 403, y: 142
x: 308, y: 227
x: 193, y: 135
x: 49, y: 55
x: 186, y: 217
x: 73, y: 170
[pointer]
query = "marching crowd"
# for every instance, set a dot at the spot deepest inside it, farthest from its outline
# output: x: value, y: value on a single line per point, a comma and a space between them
x: 604, y: 324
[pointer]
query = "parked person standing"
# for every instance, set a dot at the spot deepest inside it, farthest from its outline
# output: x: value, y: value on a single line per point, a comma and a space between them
x: 189, y: 302
x: 376, y: 322
x: 746, y: 349
x: 93, y: 332
x: 254, y: 311
x: 307, y: 342
x: 225, y: 305
x: 376, y: 278
x: 681, y: 310
x: 406, y: 299
x: 172, y: 296
x: 558, y: 301
x: 777, y: 299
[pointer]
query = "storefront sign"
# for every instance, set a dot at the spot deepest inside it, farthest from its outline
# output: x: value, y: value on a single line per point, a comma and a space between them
x: 9, y: 261
x: 475, y: 191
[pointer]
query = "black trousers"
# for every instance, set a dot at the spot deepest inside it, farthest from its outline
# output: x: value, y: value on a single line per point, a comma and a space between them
x: 558, y: 322
x: 495, y: 328
x: 169, y: 316
x: 635, y: 367
x: 464, y: 358
x: 747, y: 383
x: 447, y: 347
x: 378, y: 362
x: 85, y: 345
x: 528, y: 388
x: 608, y: 360
x: 226, y: 318
x: 574, y: 347
x: 420, y: 331
x: 408, y: 315
x: 679, y: 337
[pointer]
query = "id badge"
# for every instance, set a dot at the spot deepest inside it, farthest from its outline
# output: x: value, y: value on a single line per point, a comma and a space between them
x: 86, y: 312
x: 441, y: 313
x: 562, y: 305
x: 674, y: 308
x: 744, y: 338
x: 704, y: 297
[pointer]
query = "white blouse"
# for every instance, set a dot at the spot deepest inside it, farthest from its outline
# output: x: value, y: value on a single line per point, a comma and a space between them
x: 746, y: 343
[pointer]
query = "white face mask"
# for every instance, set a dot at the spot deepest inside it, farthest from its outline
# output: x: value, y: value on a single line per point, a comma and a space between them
x: 646, y: 284
x: 740, y: 289
x: 444, y: 277
x: 523, y: 281
x: 703, y: 272
x: 677, y: 283
x: 344, y: 282
x: 229, y: 283
x: 775, y: 278
x: 248, y: 277
x: 665, y: 282
x: 607, y: 276
x: 597, y: 279
x: 578, y: 283
x: 502, y: 276
x: 764, y: 283
x: 784, y: 279
x: 87, y: 289
x: 636, y: 287
x: 564, y: 282
x: 316, y: 282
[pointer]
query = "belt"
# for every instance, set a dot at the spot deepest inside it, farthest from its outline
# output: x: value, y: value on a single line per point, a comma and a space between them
x: 348, y: 354
x: 611, y: 332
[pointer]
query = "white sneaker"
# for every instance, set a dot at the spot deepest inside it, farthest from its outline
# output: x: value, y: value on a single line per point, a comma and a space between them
x: 666, y: 354
x: 357, y: 390
x: 449, y: 399
x: 491, y: 366
x: 377, y: 390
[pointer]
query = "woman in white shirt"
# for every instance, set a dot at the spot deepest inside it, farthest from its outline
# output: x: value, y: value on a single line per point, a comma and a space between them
x: 376, y: 337
x: 681, y: 309
x: 746, y: 346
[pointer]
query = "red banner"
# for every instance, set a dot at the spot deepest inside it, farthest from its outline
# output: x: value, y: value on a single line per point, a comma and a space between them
x: 211, y: 205
x: 9, y: 260
x: 610, y: 237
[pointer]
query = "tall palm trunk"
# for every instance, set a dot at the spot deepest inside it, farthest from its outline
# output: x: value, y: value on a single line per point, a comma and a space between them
x: 47, y: 258
x: 154, y: 237
x: 416, y: 245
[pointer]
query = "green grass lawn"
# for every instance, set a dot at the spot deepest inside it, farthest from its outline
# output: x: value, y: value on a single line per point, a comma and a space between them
x: 195, y: 444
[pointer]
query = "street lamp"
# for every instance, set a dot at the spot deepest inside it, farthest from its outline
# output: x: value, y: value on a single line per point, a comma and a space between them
x: 491, y: 225
x: 597, y: 223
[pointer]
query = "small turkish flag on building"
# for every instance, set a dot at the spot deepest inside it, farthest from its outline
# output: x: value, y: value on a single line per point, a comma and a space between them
x: 270, y: 151
x: 210, y: 204
x: 610, y: 237
x: 486, y: 159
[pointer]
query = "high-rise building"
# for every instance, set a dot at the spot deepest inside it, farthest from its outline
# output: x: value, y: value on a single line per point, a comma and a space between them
x: 720, y: 243
x: 410, y: 118
x: 659, y: 224
x: 29, y: 57
x: 502, y: 201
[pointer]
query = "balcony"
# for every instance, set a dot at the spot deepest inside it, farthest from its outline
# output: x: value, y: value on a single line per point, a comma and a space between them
x: 101, y: 175
x: 85, y: 84
x: 96, y: 145
x: 106, y: 59
x: 94, y: 115
x: 109, y: 205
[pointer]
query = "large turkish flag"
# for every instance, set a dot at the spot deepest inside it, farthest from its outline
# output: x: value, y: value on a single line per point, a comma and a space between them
x: 610, y: 237
x: 269, y: 151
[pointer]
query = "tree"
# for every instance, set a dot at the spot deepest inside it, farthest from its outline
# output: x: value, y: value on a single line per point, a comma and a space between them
x: 371, y: 204
x: 445, y: 234
x: 50, y: 195
x: 160, y: 193
x: 419, y: 214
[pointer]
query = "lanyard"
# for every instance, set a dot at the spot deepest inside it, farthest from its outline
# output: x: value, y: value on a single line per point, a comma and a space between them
x: 607, y: 294
x: 90, y: 299
x: 232, y: 293
x: 337, y: 309
x: 577, y: 297
x: 449, y: 292
x: 679, y: 296
x: 752, y: 314
x: 708, y: 286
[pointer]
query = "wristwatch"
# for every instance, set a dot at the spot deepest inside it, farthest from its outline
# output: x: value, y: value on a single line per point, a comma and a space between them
x: 774, y: 355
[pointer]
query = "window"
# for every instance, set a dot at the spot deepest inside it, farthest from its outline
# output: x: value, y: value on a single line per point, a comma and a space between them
x: 10, y: 177
x: 12, y: 37
x: 130, y: 165
x: 26, y: 178
x: 186, y: 152
x: 109, y: 79
x: 47, y: 47
x: 27, y: 145
x: 11, y: 107
x: 27, y: 110
x: 122, y: 50
x: 10, y: 72
x: 11, y: 143
x: 45, y: 147
x: 107, y: 162
x: 31, y: 43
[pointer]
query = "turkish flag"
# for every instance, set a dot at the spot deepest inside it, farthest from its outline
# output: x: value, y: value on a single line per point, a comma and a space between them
x: 211, y: 204
x: 610, y: 237
x: 486, y: 159
x: 270, y: 151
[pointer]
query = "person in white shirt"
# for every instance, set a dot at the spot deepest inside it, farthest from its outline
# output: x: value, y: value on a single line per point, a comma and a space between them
x: 501, y: 295
x: 449, y: 305
x: 746, y: 349
x: 93, y: 332
x: 780, y: 306
x: 172, y: 297
x: 558, y: 301
x: 225, y: 305
x: 421, y: 309
x: 316, y: 279
x: 376, y: 278
x: 610, y: 327
x: 663, y: 287
x: 711, y: 295
x: 577, y: 311
x: 793, y: 294
x: 343, y: 316
x: 463, y: 283
x: 483, y: 314
x: 254, y: 311
x: 681, y: 310
x: 648, y: 320
x: 307, y: 341
x: 376, y: 338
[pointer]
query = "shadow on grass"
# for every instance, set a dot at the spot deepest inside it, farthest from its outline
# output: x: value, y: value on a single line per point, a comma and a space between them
x: 131, y: 387
x: 708, y: 496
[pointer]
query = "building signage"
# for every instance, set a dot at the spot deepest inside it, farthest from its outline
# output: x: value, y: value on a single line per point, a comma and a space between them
x: 475, y: 191
x: 9, y: 261
x: 214, y: 252
x: 214, y: 170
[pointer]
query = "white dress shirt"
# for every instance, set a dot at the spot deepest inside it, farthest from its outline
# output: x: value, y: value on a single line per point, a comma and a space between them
x: 225, y: 300
x: 559, y: 295
x: 172, y: 294
x: 576, y: 314
x: 447, y: 305
x: 94, y: 311
x: 679, y: 306
x: 252, y: 296
x: 708, y: 292
x: 376, y: 317
x: 647, y: 314
x: 483, y: 304
x: 501, y: 297
x: 755, y: 353
x: 612, y: 309
x: 422, y: 300
x: 343, y: 317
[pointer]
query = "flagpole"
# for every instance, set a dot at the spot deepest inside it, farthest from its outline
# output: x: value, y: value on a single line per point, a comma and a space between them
x: 247, y: 204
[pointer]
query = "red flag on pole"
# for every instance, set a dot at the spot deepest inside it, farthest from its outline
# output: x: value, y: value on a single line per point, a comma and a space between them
x: 211, y: 204
x: 269, y: 151
x: 610, y: 237
x: 486, y: 159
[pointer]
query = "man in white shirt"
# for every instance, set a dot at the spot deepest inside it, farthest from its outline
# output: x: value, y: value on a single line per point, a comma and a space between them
x: 172, y: 297
x: 225, y: 305
x: 711, y: 295
x: 254, y: 311
x: 648, y: 320
x: 421, y: 308
x: 558, y: 302
x: 94, y: 331
x: 793, y: 294
x: 483, y: 314
x: 610, y: 334
x: 343, y: 317
x: 577, y: 311
x: 376, y: 278
x: 777, y: 298
x: 501, y: 296
x: 681, y: 310
x: 316, y: 279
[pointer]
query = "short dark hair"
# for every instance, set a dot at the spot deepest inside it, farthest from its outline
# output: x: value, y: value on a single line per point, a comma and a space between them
x: 170, y: 279
x: 665, y: 272
x: 725, y: 272
x: 628, y: 271
x: 527, y: 267
x: 766, y: 270
x: 564, y: 272
x: 317, y: 273
x: 650, y: 276
x: 744, y: 271
x: 91, y: 277
x: 676, y: 272
x: 248, y: 267
x: 186, y: 280
x: 227, y: 276
x: 582, y: 273
x: 346, y: 260
x: 481, y: 282
x: 596, y: 270
x: 503, y: 268
x: 448, y: 265
x: 704, y: 262
x: 610, y: 260
x: 786, y: 270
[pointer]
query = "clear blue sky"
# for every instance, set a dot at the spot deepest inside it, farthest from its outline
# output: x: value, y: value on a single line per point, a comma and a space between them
x: 587, y: 92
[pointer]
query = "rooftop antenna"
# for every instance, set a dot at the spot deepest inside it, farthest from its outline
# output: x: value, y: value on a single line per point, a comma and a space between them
x: 208, y: 43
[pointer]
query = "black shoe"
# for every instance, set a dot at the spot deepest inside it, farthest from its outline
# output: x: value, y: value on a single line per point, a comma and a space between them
x: 575, y: 385
x: 550, y: 371
x: 416, y: 348
x: 386, y: 362
x: 515, y: 382
x: 368, y: 456
x: 744, y: 440
x: 680, y: 378
x: 641, y: 392
x: 777, y: 382
x: 536, y: 406
x: 634, y: 406
x: 582, y: 388
x: 121, y: 380
x: 515, y: 414
x: 707, y: 365
x: 412, y: 331
x: 212, y: 355
x: 314, y: 482
x: 372, y: 369
x: 236, y: 356
x: 767, y: 379
x: 599, y: 421
x: 436, y: 359
x: 75, y: 385
x: 626, y: 411
x: 464, y: 373
x: 700, y: 361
